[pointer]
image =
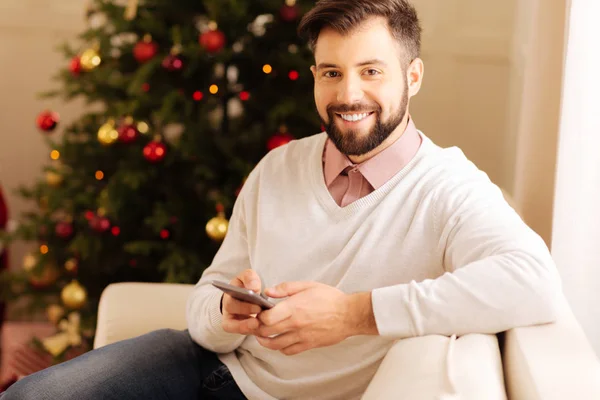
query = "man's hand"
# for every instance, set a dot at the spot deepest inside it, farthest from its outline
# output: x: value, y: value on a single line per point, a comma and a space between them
x: 315, y: 315
x: 239, y: 316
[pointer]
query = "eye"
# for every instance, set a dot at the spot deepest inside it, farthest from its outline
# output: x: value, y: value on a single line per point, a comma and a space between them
x: 372, y: 72
x: 331, y: 74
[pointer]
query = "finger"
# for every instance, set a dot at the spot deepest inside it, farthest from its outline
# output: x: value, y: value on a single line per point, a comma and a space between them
x: 275, y: 315
x: 235, y: 306
x: 279, y: 342
x: 249, y: 279
x: 240, y: 325
x: 286, y: 289
x: 296, y: 349
x: 276, y: 329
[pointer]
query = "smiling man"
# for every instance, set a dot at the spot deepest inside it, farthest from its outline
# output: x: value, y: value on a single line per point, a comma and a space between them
x: 364, y: 234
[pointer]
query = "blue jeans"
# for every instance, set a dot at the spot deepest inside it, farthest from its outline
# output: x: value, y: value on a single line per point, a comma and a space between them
x: 164, y: 364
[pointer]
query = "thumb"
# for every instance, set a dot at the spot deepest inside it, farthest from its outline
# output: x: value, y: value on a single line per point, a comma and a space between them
x: 250, y: 280
x: 286, y: 289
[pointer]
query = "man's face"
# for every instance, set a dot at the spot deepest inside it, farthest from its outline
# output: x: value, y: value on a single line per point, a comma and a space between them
x: 361, y: 88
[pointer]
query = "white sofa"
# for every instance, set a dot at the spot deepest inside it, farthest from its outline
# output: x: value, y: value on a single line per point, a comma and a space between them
x: 546, y: 362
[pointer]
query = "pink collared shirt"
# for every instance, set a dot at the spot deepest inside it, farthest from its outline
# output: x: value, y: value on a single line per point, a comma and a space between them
x: 348, y: 182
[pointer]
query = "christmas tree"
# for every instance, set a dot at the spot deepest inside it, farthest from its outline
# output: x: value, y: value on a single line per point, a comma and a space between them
x: 185, y: 96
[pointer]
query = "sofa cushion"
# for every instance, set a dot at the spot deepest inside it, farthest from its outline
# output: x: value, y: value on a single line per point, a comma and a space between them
x: 441, y: 368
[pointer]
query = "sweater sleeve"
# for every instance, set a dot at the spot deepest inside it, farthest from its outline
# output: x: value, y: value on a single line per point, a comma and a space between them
x: 204, y: 318
x: 499, y: 273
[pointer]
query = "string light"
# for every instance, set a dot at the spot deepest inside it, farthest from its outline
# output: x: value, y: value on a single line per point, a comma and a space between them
x: 267, y: 69
x: 294, y: 75
x: 115, y: 230
x: 55, y: 154
x: 164, y: 234
x: 244, y: 96
x: 44, y: 249
x: 143, y: 127
x: 99, y: 175
x: 214, y: 89
x: 198, y: 95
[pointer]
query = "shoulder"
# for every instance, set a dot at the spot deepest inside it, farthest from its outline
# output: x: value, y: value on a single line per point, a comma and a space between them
x: 456, y: 182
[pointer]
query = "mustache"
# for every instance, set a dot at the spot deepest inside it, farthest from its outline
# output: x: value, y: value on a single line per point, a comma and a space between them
x: 346, y: 108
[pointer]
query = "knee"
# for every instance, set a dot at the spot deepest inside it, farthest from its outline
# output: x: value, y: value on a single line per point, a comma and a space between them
x: 168, y: 336
x: 32, y: 387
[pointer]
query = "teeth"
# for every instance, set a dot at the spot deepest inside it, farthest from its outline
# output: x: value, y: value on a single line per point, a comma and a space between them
x: 354, y: 117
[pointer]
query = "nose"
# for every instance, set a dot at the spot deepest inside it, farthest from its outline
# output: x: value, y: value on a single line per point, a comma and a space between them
x: 350, y: 91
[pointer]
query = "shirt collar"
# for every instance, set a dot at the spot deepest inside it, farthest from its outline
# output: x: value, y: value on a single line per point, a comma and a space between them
x: 379, y: 169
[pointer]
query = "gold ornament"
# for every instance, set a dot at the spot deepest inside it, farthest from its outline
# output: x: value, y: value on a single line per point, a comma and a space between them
x: 73, y: 295
x: 89, y: 59
x: 54, y: 313
x: 44, y: 278
x: 69, y: 335
x: 53, y: 179
x: 71, y: 265
x: 216, y: 228
x: 107, y: 134
x: 29, y: 262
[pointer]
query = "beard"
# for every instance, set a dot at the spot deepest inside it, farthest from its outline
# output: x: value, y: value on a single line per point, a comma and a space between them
x: 352, y: 142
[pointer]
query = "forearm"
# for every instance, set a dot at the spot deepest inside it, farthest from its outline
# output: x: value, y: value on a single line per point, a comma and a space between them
x: 490, y: 295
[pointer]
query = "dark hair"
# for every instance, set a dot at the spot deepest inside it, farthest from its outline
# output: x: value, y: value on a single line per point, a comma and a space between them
x: 345, y: 15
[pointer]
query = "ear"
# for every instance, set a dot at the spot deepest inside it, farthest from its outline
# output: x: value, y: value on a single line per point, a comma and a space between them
x: 313, y: 69
x: 414, y: 76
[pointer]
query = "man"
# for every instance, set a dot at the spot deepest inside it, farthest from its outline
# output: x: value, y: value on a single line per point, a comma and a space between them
x: 363, y: 235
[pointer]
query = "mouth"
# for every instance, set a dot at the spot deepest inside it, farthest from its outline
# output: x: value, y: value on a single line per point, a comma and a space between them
x: 353, y: 119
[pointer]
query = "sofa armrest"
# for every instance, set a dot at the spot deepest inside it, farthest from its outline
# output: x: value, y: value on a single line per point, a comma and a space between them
x: 551, y: 361
x: 131, y: 309
x: 440, y: 368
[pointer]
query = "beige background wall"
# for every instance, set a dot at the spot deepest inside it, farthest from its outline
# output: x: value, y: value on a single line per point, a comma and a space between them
x: 475, y: 54
x: 29, y: 32
x: 467, y: 50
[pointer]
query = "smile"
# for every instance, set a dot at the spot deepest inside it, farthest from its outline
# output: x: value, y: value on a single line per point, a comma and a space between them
x: 354, y: 117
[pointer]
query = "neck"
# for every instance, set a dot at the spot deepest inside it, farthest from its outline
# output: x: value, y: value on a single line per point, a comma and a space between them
x: 399, y: 131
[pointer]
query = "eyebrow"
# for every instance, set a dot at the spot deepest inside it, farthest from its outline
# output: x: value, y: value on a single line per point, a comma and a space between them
x: 360, y: 64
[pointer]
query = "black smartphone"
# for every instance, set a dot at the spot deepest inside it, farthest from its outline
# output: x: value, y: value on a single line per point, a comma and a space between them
x: 244, y: 294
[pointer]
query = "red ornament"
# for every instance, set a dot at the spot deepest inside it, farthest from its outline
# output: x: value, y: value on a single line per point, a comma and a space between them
x: 100, y: 224
x: 128, y: 133
x: 146, y: 87
x: 145, y: 50
x: 165, y: 234
x: 279, y: 139
x: 89, y: 215
x: 289, y: 13
x: 75, y: 66
x: 172, y: 63
x: 115, y: 230
x: 64, y: 229
x: 212, y: 41
x: 47, y: 121
x: 155, y: 152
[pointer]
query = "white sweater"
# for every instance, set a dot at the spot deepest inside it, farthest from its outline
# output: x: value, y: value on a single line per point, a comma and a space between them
x: 438, y: 246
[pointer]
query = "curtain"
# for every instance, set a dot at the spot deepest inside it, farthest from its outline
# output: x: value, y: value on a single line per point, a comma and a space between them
x: 576, y: 223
